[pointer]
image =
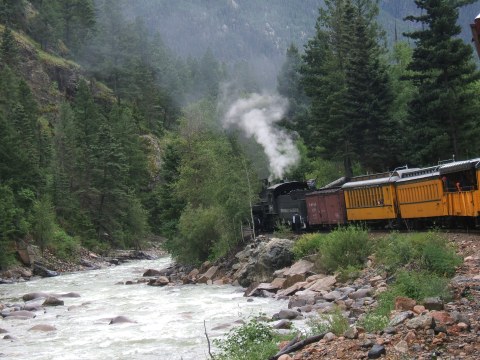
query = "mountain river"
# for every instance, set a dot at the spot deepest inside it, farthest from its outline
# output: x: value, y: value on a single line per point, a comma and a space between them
x: 169, y: 321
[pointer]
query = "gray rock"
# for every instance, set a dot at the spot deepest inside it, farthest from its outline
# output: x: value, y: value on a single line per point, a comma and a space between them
x: 433, y: 303
x: 263, y: 260
x: 120, y: 320
x: 40, y: 270
x: 34, y: 295
x: 282, y: 324
x: 351, y: 333
x: 333, y: 296
x: 52, y: 301
x: 421, y: 322
x: 43, y: 327
x: 458, y: 317
x: 329, y: 337
x: 22, y: 313
x: 287, y: 314
x: 301, y: 267
x: 376, y: 351
x: 400, y: 318
x: 361, y: 293
x: 152, y: 272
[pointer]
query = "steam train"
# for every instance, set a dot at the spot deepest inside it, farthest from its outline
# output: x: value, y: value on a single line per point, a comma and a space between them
x: 444, y: 195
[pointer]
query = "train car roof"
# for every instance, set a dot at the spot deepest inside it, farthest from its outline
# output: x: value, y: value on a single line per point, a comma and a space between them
x: 335, y: 184
x: 459, y: 166
x: 324, y: 190
x: 289, y: 186
x: 373, y: 182
x: 379, y: 179
x: 419, y: 173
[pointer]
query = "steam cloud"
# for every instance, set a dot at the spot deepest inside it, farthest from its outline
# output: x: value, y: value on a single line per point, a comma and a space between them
x: 257, y: 116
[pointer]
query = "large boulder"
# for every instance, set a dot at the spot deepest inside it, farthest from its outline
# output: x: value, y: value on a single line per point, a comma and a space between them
x: 40, y: 270
x: 263, y: 260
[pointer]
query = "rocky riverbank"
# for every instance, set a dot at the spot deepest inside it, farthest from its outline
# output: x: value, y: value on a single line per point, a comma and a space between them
x: 46, y: 264
x: 265, y: 268
x: 431, y: 330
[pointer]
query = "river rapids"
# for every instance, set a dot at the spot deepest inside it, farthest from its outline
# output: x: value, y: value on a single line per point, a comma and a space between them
x: 169, y: 321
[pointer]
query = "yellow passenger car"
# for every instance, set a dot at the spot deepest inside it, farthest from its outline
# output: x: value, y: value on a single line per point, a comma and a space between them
x: 371, y: 198
x: 420, y: 194
x: 461, y: 186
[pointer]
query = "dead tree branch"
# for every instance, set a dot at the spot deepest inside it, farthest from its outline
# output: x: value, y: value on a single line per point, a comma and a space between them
x: 297, y: 345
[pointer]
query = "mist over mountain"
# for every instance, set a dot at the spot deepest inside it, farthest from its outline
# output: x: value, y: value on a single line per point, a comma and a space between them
x: 256, y: 31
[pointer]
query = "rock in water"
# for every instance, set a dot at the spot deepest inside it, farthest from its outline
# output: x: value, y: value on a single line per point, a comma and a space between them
x: 42, y: 271
x: 43, y: 327
x: 52, y: 301
x: 120, y: 319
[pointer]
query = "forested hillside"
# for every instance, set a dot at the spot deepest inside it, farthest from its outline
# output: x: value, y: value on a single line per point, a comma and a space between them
x: 122, y: 121
x: 258, y: 31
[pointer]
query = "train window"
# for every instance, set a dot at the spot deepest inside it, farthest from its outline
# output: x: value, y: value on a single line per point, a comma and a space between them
x: 460, y: 181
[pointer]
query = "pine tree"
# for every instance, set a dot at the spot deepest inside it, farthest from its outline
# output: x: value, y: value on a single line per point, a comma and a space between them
x: 369, y: 95
x: 12, y: 13
x: 8, y: 49
x: 348, y: 85
x: 443, y: 73
x: 288, y: 85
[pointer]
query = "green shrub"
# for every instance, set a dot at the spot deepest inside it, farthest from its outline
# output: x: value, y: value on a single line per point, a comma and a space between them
x: 343, y: 248
x: 65, y: 246
x: 308, y: 244
x: 333, y: 321
x: 424, y: 251
x: 251, y: 341
x: 349, y: 273
x: 420, y: 285
x: 373, y: 322
x: 282, y: 230
x: 415, y: 285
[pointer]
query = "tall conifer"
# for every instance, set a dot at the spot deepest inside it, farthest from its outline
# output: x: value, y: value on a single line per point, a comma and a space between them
x: 443, y: 74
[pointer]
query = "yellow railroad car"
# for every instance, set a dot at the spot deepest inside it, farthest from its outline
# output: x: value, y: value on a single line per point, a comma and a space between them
x: 460, y: 181
x: 371, y: 199
x: 420, y: 194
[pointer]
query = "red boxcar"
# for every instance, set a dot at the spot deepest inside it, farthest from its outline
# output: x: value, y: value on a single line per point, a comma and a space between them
x: 326, y: 208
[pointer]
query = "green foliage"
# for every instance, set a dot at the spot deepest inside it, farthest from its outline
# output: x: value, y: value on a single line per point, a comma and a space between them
x: 429, y: 251
x: 308, y: 244
x: 11, y: 221
x: 251, y: 341
x: 348, y: 273
x: 443, y: 70
x: 43, y: 222
x: 373, y: 322
x: 64, y: 246
x: 333, y: 321
x: 348, y: 84
x: 282, y: 230
x: 212, y: 179
x: 420, y: 285
x: 343, y: 248
x: 199, y: 228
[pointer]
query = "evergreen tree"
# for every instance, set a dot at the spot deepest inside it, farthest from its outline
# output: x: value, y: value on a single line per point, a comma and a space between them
x: 8, y: 49
x: 12, y: 224
x: 348, y: 85
x: 78, y: 21
x: 45, y: 27
x: 369, y: 95
x: 289, y: 86
x: 12, y: 13
x: 443, y: 72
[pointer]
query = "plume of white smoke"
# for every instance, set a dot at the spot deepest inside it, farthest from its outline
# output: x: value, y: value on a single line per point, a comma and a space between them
x: 257, y: 117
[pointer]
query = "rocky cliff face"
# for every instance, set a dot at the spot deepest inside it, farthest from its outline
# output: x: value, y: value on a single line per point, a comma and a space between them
x: 51, y: 78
